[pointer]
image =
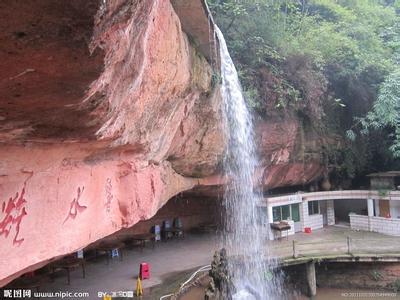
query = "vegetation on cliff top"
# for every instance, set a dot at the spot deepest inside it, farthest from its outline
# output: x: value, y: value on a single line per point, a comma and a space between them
x: 335, y: 61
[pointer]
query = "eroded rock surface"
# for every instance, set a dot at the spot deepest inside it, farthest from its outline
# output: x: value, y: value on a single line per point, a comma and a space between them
x: 290, y: 155
x: 107, y: 110
x: 102, y: 104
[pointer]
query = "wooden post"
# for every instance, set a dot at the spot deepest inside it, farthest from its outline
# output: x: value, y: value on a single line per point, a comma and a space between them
x: 294, y: 249
x: 348, y: 245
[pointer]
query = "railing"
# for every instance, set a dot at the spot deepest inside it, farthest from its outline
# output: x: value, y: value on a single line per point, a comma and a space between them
x: 389, y: 226
x: 347, y: 245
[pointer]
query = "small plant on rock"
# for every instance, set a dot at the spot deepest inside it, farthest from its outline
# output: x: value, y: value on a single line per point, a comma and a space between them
x: 376, y: 275
x: 396, y: 285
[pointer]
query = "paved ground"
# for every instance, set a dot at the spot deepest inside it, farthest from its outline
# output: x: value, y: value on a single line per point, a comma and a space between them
x: 333, y: 240
x: 168, y: 259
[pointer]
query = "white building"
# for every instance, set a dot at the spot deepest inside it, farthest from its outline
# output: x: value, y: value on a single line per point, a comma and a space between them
x: 380, y: 207
x: 300, y: 212
x: 383, y: 208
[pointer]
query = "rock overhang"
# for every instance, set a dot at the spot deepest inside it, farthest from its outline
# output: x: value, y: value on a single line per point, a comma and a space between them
x: 96, y: 97
x: 110, y: 112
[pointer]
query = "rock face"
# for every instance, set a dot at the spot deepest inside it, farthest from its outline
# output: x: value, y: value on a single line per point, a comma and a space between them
x: 290, y: 155
x: 107, y: 110
x: 103, y: 105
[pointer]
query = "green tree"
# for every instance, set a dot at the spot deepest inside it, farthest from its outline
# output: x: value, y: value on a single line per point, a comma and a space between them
x: 332, y: 61
x: 385, y: 112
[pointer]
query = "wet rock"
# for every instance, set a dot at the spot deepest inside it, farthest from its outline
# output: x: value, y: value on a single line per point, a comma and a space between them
x: 220, y: 286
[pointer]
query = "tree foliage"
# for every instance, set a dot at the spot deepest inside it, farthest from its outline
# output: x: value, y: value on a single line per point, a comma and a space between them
x: 385, y: 112
x: 318, y: 53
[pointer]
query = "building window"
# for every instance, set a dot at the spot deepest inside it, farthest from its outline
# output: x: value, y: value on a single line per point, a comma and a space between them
x: 276, y: 213
x: 313, y: 207
x: 286, y: 212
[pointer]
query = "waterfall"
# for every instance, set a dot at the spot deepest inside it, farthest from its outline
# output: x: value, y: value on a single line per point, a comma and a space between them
x: 243, y: 237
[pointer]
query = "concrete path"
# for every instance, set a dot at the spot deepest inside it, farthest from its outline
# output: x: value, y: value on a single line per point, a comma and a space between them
x: 334, y: 240
x: 170, y: 257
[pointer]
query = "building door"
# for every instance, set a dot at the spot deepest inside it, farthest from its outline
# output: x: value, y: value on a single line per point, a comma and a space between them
x: 323, y: 210
x: 384, y: 208
x: 296, y: 217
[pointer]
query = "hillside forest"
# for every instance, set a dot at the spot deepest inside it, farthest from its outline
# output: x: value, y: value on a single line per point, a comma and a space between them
x: 334, y: 64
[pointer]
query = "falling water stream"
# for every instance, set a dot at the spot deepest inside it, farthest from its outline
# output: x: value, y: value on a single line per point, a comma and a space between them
x: 243, y: 236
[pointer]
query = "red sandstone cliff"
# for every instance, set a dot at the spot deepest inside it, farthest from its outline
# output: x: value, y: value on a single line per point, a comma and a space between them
x: 107, y: 110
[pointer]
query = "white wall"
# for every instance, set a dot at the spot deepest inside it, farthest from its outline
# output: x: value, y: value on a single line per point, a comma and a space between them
x: 376, y: 224
x: 313, y: 221
x: 395, y: 209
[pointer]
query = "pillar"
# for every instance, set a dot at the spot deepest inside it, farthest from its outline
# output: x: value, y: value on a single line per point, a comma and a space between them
x: 304, y: 214
x: 330, y: 211
x: 270, y: 215
x: 370, y: 204
x: 270, y: 220
x: 311, y: 279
